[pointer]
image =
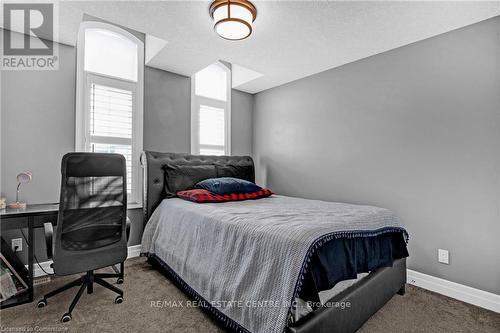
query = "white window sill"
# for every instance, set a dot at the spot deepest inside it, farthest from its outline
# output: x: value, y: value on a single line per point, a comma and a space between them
x: 134, y: 205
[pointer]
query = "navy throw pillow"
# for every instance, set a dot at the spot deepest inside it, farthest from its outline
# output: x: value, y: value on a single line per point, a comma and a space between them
x: 226, y: 185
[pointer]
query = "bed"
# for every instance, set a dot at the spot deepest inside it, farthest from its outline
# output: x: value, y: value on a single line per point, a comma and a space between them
x: 267, y: 265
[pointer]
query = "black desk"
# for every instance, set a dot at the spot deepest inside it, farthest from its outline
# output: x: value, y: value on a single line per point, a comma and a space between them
x: 33, y: 216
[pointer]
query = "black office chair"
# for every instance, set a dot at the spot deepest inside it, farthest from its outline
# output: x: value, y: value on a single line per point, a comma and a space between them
x: 92, y: 223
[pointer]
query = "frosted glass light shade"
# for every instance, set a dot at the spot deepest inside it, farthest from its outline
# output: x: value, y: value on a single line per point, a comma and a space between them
x: 233, y: 18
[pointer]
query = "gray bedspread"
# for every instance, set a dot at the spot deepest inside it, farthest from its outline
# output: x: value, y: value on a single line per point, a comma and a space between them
x: 248, y: 258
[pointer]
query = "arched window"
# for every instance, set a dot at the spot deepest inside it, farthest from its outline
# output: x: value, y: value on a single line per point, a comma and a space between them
x: 109, y: 110
x: 211, y: 110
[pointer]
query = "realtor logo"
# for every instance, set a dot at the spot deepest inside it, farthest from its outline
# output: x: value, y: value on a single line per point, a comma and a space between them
x: 28, y: 32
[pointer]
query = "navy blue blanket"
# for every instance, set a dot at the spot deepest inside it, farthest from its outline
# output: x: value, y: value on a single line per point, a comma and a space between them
x: 343, y: 258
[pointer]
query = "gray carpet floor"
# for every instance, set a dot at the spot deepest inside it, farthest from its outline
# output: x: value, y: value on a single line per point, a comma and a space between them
x: 418, y: 311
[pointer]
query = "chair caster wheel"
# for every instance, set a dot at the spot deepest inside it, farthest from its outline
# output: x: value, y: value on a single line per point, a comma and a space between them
x: 42, y: 303
x: 119, y: 299
x: 66, y: 317
x: 119, y: 281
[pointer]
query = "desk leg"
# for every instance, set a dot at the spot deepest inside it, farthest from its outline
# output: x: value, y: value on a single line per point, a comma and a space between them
x: 31, y: 247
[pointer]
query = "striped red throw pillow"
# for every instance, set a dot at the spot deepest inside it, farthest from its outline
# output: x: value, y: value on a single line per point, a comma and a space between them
x: 203, y: 196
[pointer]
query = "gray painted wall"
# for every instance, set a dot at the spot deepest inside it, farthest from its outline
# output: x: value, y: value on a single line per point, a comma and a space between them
x: 167, y: 111
x: 241, y: 123
x: 38, y: 121
x: 416, y: 130
x: 38, y: 126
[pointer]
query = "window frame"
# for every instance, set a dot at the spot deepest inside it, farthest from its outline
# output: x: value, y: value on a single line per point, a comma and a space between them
x: 82, y: 118
x: 196, y: 101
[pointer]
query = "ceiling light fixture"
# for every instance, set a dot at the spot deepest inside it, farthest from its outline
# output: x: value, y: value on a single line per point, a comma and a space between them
x: 233, y: 18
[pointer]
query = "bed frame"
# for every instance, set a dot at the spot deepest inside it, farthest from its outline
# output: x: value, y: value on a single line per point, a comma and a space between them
x: 360, y: 301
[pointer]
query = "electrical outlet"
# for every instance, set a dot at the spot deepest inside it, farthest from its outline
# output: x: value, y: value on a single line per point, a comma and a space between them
x: 443, y: 256
x: 17, y: 244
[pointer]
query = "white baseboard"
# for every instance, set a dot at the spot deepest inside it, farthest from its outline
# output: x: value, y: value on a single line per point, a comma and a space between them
x: 458, y: 291
x: 133, y: 251
x: 37, y: 271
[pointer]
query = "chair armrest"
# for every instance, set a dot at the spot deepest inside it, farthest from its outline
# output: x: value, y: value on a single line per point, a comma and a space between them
x: 128, y: 228
x: 49, y: 234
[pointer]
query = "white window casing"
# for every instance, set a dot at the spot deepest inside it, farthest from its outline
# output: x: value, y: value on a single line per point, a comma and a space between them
x: 120, y: 108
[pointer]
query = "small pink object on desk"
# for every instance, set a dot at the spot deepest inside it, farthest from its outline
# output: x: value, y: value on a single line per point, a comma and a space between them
x: 22, y: 178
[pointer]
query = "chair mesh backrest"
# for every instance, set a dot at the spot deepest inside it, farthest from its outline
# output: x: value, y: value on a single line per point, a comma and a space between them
x: 92, y: 209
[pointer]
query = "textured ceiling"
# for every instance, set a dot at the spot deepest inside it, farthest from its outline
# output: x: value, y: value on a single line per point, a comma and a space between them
x: 291, y: 39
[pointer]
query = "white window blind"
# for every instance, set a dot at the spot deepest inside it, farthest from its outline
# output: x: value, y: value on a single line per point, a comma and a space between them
x: 111, y: 123
x: 210, y: 115
x: 110, y: 111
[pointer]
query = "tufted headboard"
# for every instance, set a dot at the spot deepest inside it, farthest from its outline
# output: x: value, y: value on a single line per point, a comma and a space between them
x: 152, y: 163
